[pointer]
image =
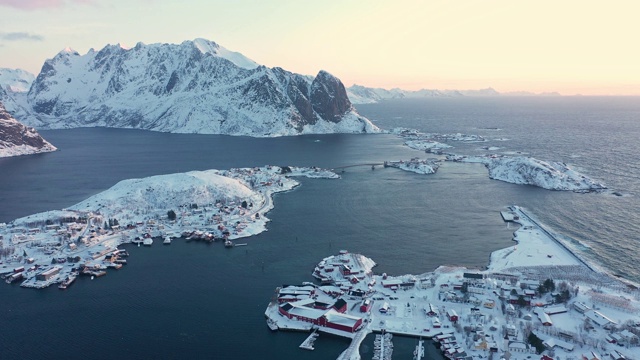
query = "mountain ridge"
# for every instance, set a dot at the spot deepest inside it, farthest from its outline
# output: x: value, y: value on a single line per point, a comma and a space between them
x: 359, y: 94
x: 194, y: 87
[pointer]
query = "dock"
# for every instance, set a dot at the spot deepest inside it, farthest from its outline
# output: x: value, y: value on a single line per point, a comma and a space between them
x: 418, y: 353
x: 308, y: 343
x: 382, y: 347
x: 508, y: 216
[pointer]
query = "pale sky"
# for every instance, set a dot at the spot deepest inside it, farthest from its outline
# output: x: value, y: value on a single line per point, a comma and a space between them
x: 586, y: 47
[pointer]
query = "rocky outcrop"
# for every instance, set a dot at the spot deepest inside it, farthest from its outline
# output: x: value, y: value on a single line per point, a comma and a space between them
x: 329, y: 97
x: 17, y: 139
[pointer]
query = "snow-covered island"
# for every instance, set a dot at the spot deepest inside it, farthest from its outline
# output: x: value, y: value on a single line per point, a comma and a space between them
x: 416, y: 165
x: 432, y: 142
x: 535, y: 297
x: 531, y: 171
x: 520, y: 170
x: 55, y: 246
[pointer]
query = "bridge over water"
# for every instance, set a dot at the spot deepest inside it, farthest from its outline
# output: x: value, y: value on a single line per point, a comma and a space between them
x: 354, y: 165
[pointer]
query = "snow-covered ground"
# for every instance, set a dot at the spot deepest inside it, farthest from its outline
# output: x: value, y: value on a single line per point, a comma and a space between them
x: 212, y: 204
x: 537, y: 286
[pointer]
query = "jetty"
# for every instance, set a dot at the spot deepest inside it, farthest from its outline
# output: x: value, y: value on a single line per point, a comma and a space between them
x: 518, y: 209
x: 509, y: 216
x: 308, y: 343
x: 352, y: 352
x: 383, y: 347
x: 418, y: 353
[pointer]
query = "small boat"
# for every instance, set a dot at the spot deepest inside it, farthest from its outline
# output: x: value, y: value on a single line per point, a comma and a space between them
x: 167, y: 240
x: 228, y: 243
x: 147, y: 242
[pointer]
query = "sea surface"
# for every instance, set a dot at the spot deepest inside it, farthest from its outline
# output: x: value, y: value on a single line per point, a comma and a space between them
x: 200, y: 301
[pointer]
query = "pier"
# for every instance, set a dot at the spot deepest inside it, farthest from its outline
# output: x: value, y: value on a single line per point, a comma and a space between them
x: 383, y: 347
x: 418, y: 353
x: 308, y: 343
x: 352, y: 352
x: 508, y: 216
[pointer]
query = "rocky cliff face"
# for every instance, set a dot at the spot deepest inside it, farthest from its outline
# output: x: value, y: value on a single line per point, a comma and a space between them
x: 194, y: 87
x: 17, y: 139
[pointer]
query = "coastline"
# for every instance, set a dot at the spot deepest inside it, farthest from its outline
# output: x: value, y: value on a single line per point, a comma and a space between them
x: 523, y: 234
x: 49, y: 247
x: 433, y: 305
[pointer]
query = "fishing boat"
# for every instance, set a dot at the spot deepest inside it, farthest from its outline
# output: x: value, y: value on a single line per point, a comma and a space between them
x: 167, y: 240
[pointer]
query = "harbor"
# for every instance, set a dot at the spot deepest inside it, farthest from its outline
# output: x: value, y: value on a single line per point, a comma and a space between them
x: 48, y: 248
x: 467, y: 314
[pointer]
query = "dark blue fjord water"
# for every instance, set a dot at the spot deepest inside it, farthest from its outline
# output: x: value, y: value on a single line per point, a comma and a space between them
x: 192, y: 300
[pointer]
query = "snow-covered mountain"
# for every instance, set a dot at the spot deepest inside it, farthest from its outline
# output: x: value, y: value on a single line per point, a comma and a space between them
x: 359, y: 94
x: 548, y: 175
x: 365, y: 95
x: 17, y: 139
x: 194, y: 87
x: 16, y: 80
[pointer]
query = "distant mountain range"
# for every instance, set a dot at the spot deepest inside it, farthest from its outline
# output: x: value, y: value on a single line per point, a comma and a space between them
x: 193, y: 87
x: 365, y: 95
x: 17, y: 139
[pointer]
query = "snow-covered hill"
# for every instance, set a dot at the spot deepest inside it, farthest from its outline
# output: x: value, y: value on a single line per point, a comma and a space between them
x: 128, y: 199
x: 16, y: 80
x: 548, y: 175
x: 194, y: 87
x: 17, y: 139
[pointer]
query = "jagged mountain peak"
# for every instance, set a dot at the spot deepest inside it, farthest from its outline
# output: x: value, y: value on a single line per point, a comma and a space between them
x: 195, y: 86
